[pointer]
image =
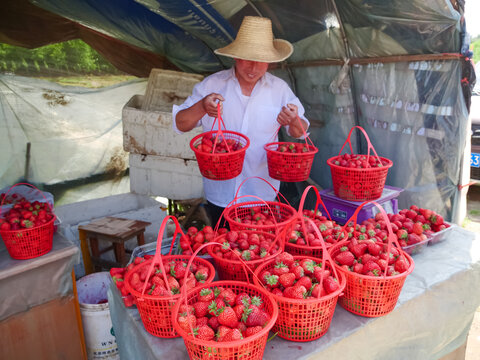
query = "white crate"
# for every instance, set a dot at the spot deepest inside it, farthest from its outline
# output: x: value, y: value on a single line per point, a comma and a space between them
x: 168, y: 87
x: 172, y: 178
x: 151, y: 133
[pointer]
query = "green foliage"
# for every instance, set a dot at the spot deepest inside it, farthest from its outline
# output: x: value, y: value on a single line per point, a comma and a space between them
x: 475, y: 46
x: 72, y: 57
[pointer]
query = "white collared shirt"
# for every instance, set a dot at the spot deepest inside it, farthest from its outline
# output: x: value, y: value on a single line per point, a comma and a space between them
x: 254, y: 116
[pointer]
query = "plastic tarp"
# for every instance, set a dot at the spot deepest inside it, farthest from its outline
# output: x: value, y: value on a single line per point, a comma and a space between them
x: 414, y: 112
x: 74, y: 132
x: 442, y: 289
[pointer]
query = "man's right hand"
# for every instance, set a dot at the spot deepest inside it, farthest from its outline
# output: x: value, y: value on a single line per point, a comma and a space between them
x: 209, y: 103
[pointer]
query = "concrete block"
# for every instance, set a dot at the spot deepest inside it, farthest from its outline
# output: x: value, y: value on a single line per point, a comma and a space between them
x: 176, y: 179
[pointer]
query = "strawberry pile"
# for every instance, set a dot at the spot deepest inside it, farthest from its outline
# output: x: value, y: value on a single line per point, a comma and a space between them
x: 219, y: 314
x: 248, y: 245
x: 175, y: 277
x: 26, y: 215
x: 293, y: 147
x: 6, y: 199
x: 370, y: 257
x: 359, y: 161
x: 296, y: 278
x: 221, y: 146
x: 329, y: 230
x: 255, y: 216
x: 194, y: 238
x: 411, y: 226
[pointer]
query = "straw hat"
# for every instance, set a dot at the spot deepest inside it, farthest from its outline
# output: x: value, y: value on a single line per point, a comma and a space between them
x: 255, y: 42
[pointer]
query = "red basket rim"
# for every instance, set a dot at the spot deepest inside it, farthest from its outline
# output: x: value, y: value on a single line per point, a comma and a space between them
x: 225, y: 344
x: 312, y: 149
x: 243, y: 149
x: 138, y: 294
x: 259, y: 203
x: 377, y: 278
x: 29, y: 229
x: 235, y: 261
x: 337, y: 292
x: 338, y: 167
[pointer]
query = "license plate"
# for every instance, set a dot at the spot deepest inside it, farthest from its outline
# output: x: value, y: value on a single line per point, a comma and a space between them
x: 475, y: 160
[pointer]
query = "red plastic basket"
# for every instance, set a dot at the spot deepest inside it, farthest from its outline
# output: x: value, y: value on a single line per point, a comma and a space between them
x: 156, y: 311
x: 289, y: 167
x: 359, y: 184
x: 29, y: 243
x: 303, y: 319
x: 250, y: 348
x: 372, y: 296
x: 220, y: 166
x: 232, y: 269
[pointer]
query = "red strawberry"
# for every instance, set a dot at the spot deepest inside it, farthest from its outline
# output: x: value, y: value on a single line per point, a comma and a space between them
x: 305, y: 281
x: 285, y: 258
x: 233, y: 335
x: 436, y: 219
x: 221, y: 332
x: 187, y: 322
x: 201, y: 308
x: 287, y: 279
x: 330, y: 284
x: 228, y: 317
x: 241, y: 298
x: 178, y: 270
x: 253, y: 330
x: 280, y: 269
x: 272, y: 280
x: 372, y: 266
x: 201, y: 274
x: 204, y: 332
x: 417, y: 228
x: 206, y: 295
x: 401, y: 265
x: 228, y: 296
x: 345, y: 257
x: 213, y: 322
x: 298, y: 271
x: 374, y: 248
x: 257, y: 317
x: 295, y: 292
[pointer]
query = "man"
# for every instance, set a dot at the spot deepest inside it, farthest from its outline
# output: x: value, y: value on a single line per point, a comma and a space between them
x: 253, y: 102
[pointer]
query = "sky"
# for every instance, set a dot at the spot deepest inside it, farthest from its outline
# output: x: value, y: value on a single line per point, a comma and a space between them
x: 472, y: 17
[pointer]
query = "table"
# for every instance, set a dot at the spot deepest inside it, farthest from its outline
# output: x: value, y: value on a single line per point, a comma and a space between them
x: 37, y: 295
x: 432, y: 317
x: 112, y: 229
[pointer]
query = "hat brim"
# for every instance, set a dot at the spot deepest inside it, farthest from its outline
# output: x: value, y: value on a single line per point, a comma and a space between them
x: 282, y: 49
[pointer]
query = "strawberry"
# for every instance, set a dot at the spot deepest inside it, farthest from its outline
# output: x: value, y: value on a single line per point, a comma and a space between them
x: 204, y: 332
x: 308, y: 266
x: 241, y: 298
x: 206, y: 295
x: 371, y: 266
x: 401, y: 265
x: 345, y: 257
x: 305, y: 281
x: 279, y: 269
x: 285, y: 258
x: 233, y: 335
x: 272, y: 280
x: 295, y: 292
x: 287, y: 279
x: 257, y: 317
x: 187, y: 321
x: 298, y: 271
x: 417, y: 228
x: 253, y: 330
x: 436, y: 219
x: 228, y: 296
x: 178, y: 270
x: 201, y: 308
x: 374, y: 248
x: 227, y: 317
x: 222, y: 331
x: 331, y: 284
x: 201, y: 274
x: 213, y: 322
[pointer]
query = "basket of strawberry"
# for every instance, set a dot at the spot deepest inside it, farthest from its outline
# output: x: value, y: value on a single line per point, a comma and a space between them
x: 27, y: 228
x: 242, y: 248
x: 375, y: 271
x: 290, y: 161
x: 306, y: 290
x: 220, y: 153
x: 358, y: 177
x: 225, y: 320
x: 155, y: 284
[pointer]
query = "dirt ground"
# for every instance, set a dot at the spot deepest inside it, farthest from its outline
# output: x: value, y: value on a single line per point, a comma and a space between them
x: 473, y: 224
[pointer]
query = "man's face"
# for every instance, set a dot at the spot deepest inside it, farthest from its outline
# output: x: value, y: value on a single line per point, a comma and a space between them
x: 250, y: 71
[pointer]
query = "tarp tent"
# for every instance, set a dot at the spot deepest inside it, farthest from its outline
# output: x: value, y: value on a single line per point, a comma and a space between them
x: 393, y: 67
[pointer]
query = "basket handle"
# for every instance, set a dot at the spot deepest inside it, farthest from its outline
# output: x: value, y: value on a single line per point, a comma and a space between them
x: 277, y: 193
x: 268, y: 207
x: 307, y: 139
x: 370, y: 146
x: 157, y: 258
x: 27, y: 184
x: 391, y: 238
x: 220, y: 123
x: 300, y: 210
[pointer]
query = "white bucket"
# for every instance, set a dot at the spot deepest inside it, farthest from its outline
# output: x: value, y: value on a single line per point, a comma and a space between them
x: 97, y: 325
